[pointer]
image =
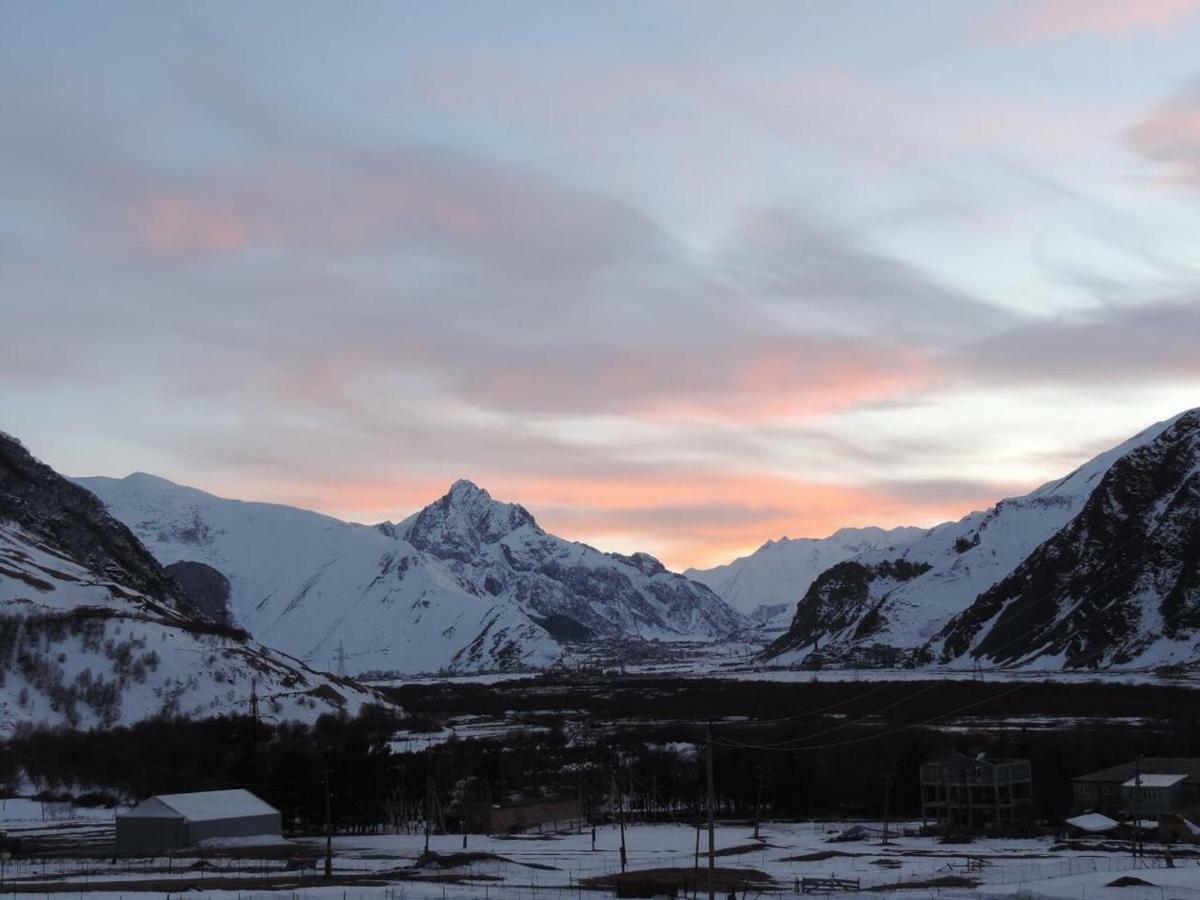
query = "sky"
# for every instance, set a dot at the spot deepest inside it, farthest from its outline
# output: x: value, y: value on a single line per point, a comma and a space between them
x: 679, y: 276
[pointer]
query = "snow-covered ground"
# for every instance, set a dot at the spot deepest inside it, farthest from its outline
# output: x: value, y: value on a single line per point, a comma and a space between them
x: 552, y: 866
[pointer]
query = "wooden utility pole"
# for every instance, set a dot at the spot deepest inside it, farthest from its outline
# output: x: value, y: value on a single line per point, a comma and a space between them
x: 712, y: 848
x: 621, y: 815
x: 328, y: 831
x: 890, y: 773
x: 758, y: 799
x: 1137, y: 809
x: 428, y: 796
x: 968, y: 779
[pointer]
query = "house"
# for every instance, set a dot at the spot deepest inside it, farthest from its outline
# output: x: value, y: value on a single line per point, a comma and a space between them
x: 1152, y: 793
x: 1168, y: 785
x: 170, y: 821
x: 482, y: 817
x: 974, y: 792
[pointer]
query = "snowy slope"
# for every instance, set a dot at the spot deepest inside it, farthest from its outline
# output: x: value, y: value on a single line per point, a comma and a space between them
x: 1117, y: 587
x: 93, y: 632
x: 903, y: 600
x: 317, y: 587
x: 767, y: 584
x: 576, y: 590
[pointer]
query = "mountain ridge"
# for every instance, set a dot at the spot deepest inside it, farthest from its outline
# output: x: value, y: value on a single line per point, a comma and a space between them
x: 897, y: 608
x: 467, y: 583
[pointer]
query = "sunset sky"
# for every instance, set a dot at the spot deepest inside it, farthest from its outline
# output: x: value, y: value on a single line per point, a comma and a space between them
x: 678, y: 276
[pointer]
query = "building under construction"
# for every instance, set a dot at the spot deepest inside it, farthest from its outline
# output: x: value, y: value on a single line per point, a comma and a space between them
x: 973, y: 793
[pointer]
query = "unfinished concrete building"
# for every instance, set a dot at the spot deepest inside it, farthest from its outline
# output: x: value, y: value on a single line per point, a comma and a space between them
x: 974, y: 793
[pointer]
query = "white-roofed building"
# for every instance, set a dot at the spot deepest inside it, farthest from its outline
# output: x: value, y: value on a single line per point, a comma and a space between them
x: 169, y: 821
x: 1153, y: 792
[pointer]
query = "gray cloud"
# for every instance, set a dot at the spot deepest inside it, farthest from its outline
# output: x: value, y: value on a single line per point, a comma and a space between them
x: 1111, y: 345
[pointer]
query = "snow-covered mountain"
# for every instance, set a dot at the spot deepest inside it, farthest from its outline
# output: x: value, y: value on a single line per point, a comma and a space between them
x: 93, y: 632
x: 767, y: 584
x: 573, y: 590
x: 327, y: 590
x: 1118, y: 586
x: 466, y: 584
x: 885, y: 607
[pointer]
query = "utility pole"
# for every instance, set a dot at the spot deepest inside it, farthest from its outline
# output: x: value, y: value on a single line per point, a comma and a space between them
x: 1137, y: 810
x: 620, y: 814
x: 428, y: 796
x: 328, y: 831
x: 967, y: 782
x: 889, y: 777
x: 712, y: 848
x: 758, y: 799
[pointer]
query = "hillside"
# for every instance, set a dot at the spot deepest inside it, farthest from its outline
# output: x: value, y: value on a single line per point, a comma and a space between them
x: 1118, y: 586
x: 884, y: 607
x: 93, y: 632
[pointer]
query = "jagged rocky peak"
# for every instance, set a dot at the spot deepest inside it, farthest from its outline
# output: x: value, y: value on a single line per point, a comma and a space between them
x: 462, y: 520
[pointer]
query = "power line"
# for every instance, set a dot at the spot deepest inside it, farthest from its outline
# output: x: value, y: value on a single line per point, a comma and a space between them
x: 738, y: 745
x: 852, y: 722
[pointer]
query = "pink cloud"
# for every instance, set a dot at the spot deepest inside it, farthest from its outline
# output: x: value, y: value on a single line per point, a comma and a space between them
x: 1050, y: 19
x: 175, y: 222
x: 1170, y: 134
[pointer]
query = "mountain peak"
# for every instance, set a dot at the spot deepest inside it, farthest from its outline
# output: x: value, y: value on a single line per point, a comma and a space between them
x: 465, y: 489
x: 466, y: 517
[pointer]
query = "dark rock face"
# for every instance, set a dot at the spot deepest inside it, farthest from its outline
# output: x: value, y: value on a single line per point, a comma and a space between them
x: 204, y: 589
x: 838, y: 606
x: 1121, y: 576
x: 564, y: 628
x: 72, y: 520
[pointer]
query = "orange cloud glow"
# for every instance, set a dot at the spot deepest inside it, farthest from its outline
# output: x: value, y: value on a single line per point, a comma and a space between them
x: 700, y: 518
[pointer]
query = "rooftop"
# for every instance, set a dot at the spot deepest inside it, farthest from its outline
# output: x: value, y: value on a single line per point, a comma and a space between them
x: 1154, y: 780
x: 205, y: 805
x: 1187, y: 766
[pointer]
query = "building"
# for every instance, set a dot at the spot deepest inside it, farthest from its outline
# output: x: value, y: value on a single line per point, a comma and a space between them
x: 1168, y: 785
x: 512, y: 816
x: 973, y: 792
x: 170, y: 821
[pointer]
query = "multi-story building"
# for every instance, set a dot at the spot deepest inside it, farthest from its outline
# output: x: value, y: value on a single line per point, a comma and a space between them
x: 973, y: 793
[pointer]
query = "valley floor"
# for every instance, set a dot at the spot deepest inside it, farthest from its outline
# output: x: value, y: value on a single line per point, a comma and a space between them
x: 559, y: 866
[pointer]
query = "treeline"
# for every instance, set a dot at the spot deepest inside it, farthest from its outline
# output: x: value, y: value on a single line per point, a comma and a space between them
x: 285, y: 764
x: 831, y: 751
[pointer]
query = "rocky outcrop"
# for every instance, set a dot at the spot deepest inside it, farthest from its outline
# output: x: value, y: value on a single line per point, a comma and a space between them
x: 43, y: 503
x: 1093, y: 568
x: 204, y: 589
x: 1119, y: 585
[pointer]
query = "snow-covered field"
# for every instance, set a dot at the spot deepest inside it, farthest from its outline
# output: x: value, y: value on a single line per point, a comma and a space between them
x: 552, y: 866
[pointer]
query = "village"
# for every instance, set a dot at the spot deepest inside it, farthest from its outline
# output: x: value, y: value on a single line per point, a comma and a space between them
x: 1132, y: 832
